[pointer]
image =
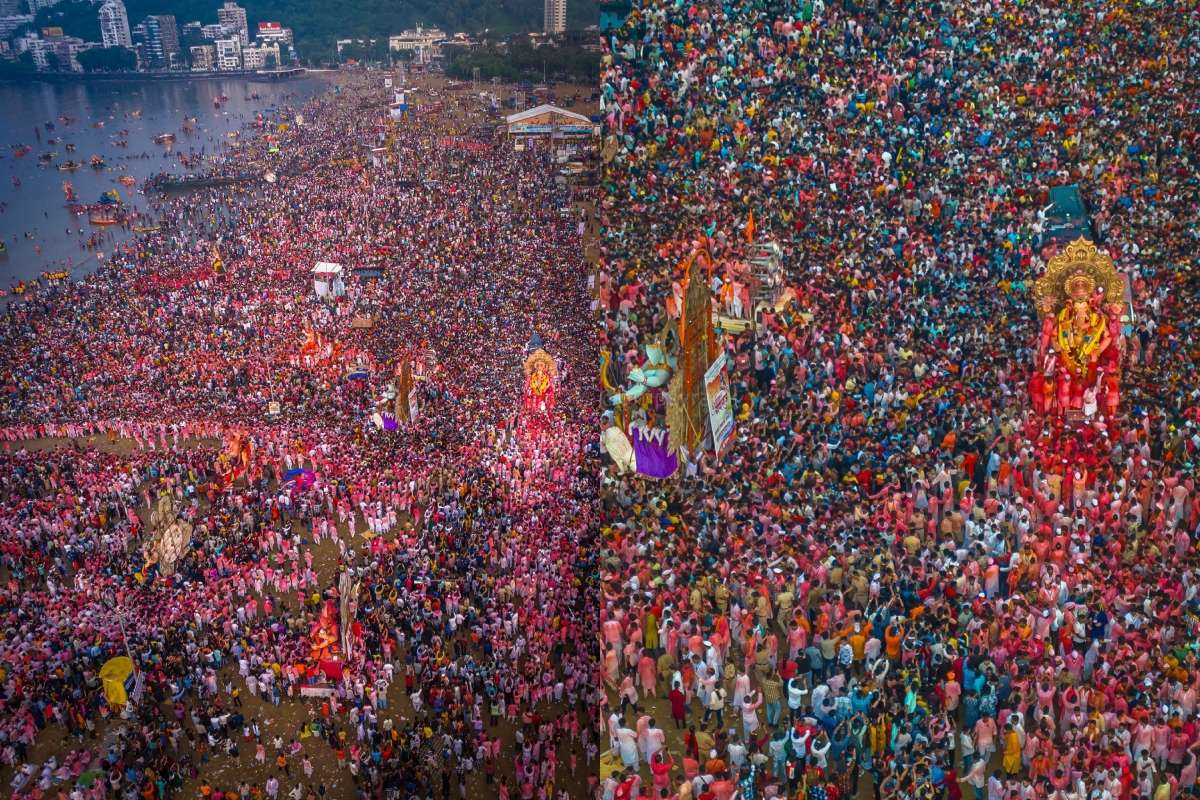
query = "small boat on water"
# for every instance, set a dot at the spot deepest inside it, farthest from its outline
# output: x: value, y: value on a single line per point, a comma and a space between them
x: 69, y: 166
x: 136, y: 114
x: 61, y: 275
x: 21, y: 150
x: 70, y: 147
x: 46, y: 158
x: 97, y: 162
x: 127, y: 180
x: 145, y: 228
x: 98, y: 124
x: 103, y: 217
x: 164, y: 138
x: 19, y: 289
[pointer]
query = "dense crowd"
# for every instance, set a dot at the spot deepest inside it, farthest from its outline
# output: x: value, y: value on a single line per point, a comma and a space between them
x: 198, y: 379
x: 897, y: 578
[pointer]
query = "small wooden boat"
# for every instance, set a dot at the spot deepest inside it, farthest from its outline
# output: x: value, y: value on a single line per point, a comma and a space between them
x: 69, y: 166
x: 164, y: 138
x: 97, y: 162
x: 127, y: 180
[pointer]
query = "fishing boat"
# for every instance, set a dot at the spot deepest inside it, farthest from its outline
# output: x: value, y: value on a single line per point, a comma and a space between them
x: 69, y: 166
x: 127, y: 180
x: 164, y: 138
x: 97, y: 162
x: 103, y: 216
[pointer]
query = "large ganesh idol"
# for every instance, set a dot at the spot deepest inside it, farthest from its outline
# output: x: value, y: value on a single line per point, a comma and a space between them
x: 1078, y: 370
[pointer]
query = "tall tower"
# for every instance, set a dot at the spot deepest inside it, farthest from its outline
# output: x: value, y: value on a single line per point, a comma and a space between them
x: 114, y: 24
x: 556, y: 16
x: 233, y: 17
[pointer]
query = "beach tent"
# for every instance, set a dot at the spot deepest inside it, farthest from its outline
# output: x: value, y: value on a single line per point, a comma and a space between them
x: 324, y: 274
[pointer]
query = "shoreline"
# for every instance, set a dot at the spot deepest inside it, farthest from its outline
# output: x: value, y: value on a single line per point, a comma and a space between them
x: 139, y: 77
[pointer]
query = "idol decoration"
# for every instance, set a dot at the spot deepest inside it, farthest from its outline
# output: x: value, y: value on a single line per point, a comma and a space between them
x: 1078, y: 370
x: 541, y: 374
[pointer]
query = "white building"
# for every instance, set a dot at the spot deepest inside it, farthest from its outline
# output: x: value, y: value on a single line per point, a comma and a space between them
x: 12, y: 22
x: 233, y: 17
x: 229, y: 53
x: 423, y: 43
x: 256, y: 57
x: 114, y: 24
x: 556, y: 16
x: 273, y: 32
x: 204, y: 57
x: 55, y: 52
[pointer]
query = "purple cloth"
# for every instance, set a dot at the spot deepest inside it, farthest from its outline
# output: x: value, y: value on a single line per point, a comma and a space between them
x: 652, y: 451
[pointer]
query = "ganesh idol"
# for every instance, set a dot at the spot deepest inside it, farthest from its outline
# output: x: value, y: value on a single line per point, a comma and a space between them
x: 1080, y: 346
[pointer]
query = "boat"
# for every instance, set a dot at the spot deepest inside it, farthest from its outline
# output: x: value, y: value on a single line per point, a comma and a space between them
x: 46, y: 158
x: 127, y: 180
x: 99, y: 124
x: 61, y: 275
x: 19, y: 289
x: 103, y: 217
x: 164, y: 138
x: 136, y: 114
x: 97, y: 162
x: 70, y: 147
x: 3, y: 248
x: 21, y: 150
x: 69, y: 166
x: 145, y: 228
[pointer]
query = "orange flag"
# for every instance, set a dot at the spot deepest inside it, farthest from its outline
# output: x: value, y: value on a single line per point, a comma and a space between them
x: 750, y: 227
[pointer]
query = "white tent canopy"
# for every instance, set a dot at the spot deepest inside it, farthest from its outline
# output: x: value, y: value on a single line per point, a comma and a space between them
x: 327, y: 278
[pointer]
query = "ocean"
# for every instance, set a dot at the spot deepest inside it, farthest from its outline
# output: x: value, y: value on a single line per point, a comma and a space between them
x: 36, y: 223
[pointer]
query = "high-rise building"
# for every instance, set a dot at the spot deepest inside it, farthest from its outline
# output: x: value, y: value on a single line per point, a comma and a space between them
x: 556, y: 16
x: 233, y: 17
x: 162, y: 40
x: 114, y: 24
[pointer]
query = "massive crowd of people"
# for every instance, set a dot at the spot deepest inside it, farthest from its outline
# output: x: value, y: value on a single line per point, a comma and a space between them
x: 363, y: 605
x: 897, y: 578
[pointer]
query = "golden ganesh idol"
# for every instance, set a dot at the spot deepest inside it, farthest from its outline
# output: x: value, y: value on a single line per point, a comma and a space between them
x: 1079, y: 349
